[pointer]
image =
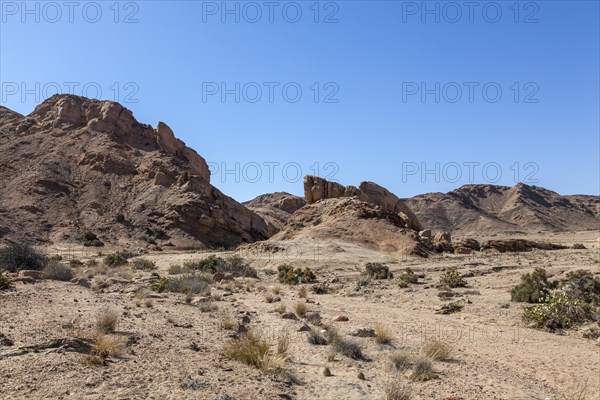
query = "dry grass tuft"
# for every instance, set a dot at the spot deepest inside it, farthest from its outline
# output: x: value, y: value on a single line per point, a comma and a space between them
x: 108, y: 346
x: 106, y: 320
x: 302, y: 293
x: 300, y: 309
x: 396, y: 390
x: 400, y: 360
x: 436, y: 350
x: 255, y: 350
x: 423, y: 370
x: 383, y: 335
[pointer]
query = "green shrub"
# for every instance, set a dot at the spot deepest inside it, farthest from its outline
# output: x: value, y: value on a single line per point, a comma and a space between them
x: 16, y: 256
x: 377, y: 271
x: 117, y: 259
x: 288, y: 275
x: 557, y: 312
x: 409, y: 276
x: 234, y: 265
x: 58, y: 272
x: 453, y: 279
x: 192, y: 284
x: 581, y: 285
x: 5, y: 283
x: 160, y: 284
x: 89, y: 239
x: 143, y: 264
x: 534, y: 287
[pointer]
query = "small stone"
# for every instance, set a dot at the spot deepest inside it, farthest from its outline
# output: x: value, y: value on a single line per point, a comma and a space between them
x: 289, y: 315
x: 362, y: 332
x: 304, y: 328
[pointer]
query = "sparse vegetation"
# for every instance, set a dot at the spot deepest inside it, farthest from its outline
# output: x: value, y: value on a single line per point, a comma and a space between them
x: 141, y: 298
x: 106, y: 320
x: 321, y: 288
x: 383, y: 335
x: 313, y: 317
x: 396, y: 390
x: 377, y: 271
x: 437, y: 350
x: 108, y: 346
x: 348, y: 348
x: 409, y: 277
x: 234, y: 265
x: 117, y: 259
x: 452, y: 279
x: 143, y: 264
x: 290, y: 276
x: 300, y: 309
x: 255, y: 350
x: 17, y: 256
x: 534, y: 287
x: 302, y: 292
x: 194, y: 284
x: 422, y: 370
x: 400, y: 360
x: 90, y: 239
x: 327, y: 372
x: 558, y: 311
x: 5, y: 283
x: 57, y: 271
x: 581, y: 285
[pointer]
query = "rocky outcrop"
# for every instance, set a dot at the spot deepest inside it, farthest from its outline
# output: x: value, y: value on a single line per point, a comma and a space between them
x: 316, y: 189
x: 76, y: 165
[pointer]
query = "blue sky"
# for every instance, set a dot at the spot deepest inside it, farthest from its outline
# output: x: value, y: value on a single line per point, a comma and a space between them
x: 405, y: 94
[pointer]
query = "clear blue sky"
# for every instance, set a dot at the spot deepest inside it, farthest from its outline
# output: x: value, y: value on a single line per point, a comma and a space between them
x: 369, y: 120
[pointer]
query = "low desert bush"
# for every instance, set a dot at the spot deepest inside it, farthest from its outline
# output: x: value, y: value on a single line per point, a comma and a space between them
x: 400, y: 360
x: 175, y: 269
x: 17, y: 256
x: 143, y: 264
x: 117, y: 259
x: 141, y: 298
x: 255, y: 350
x: 422, y: 370
x: 234, y: 265
x: 383, y: 335
x: 396, y: 390
x: 281, y: 309
x: 106, y: 320
x: 5, y: 283
x: 194, y: 284
x: 348, y: 348
x: 57, y: 271
x: 452, y: 279
x: 228, y: 322
x: 558, y: 311
x: 290, y: 276
x: 409, y: 276
x: 90, y: 239
x: 583, y: 286
x: 377, y: 271
x: 534, y: 287
x: 437, y: 350
x: 313, y: 317
x: 321, y: 288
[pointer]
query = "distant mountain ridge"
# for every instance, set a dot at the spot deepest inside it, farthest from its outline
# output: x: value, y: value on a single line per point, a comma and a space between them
x: 495, y: 209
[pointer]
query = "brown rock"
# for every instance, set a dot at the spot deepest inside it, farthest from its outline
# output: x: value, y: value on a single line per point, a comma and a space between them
x: 289, y: 315
x: 442, y: 237
x: 462, y: 250
x: 340, y: 318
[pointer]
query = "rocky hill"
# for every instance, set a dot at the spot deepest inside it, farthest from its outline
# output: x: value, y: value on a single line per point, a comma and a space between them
x: 275, y: 208
x: 76, y: 165
x: 490, y: 209
x: 368, y: 216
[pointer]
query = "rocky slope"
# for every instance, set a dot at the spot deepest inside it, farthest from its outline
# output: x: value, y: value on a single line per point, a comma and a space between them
x: 275, y: 208
x: 76, y: 165
x: 490, y: 209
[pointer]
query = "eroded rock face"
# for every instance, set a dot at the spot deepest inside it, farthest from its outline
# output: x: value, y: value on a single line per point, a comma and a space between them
x: 316, y: 189
x: 74, y: 164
